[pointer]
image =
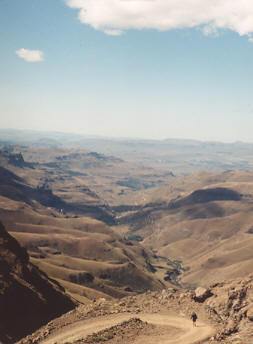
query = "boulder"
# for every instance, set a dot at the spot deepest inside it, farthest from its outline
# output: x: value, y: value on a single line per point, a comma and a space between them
x: 201, y: 294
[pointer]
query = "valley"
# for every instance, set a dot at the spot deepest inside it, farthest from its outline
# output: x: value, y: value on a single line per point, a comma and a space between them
x: 107, y: 226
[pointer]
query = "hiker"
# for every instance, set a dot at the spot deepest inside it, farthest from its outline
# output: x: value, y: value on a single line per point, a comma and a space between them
x: 194, y: 318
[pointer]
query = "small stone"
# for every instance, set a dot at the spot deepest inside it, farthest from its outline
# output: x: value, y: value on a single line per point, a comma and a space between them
x: 250, y: 313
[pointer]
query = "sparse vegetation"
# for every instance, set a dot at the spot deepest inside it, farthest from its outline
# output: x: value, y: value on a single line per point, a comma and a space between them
x: 66, y: 207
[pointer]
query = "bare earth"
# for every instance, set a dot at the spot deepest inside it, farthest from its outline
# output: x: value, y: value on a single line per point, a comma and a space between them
x: 186, y: 334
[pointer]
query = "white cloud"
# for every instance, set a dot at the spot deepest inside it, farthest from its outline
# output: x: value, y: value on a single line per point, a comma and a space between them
x: 116, y: 16
x: 30, y: 55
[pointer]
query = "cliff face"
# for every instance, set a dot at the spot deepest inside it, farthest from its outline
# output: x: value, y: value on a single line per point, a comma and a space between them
x: 28, y: 298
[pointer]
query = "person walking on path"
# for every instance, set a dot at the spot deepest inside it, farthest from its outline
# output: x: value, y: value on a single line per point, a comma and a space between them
x: 194, y: 318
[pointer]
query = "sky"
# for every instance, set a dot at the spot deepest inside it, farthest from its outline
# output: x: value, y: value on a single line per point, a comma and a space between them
x: 128, y: 68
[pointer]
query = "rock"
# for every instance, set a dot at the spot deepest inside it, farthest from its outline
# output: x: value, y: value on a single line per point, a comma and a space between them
x: 250, y: 313
x: 230, y: 328
x: 201, y: 294
x: 183, y: 296
x: 101, y: 301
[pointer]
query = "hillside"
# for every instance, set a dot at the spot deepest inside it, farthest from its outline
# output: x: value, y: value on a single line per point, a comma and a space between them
x: 16, y: 184
x: 66, y: 226
x: 107, y: 229
x: 208, y: 229
x: 83, y: 254
x: 28, y: 299
x: 196, y: 228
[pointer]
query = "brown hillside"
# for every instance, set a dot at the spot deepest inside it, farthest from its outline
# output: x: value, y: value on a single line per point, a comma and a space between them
x: 208, y: 229
x: 28, y: 299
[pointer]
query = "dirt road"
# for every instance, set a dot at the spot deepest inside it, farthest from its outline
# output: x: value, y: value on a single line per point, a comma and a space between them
x: 187, y: 334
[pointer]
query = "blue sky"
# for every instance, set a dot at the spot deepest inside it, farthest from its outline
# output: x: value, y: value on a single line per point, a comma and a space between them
x: 141, y: 83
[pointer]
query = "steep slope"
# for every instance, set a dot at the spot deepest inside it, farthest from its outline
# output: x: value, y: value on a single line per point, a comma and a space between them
x: 52, y: 212
x: 16, y: 188
x: 83, y: 254
x: 28, y: 299
x: 208, y: 229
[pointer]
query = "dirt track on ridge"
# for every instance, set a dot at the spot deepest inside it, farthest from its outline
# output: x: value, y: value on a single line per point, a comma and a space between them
x: 187, y: 334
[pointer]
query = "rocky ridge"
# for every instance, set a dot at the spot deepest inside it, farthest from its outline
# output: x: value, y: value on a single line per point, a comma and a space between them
x: 228, y: 307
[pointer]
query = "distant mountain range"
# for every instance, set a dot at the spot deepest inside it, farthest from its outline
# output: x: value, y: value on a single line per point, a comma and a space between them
x: 180, y: 156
